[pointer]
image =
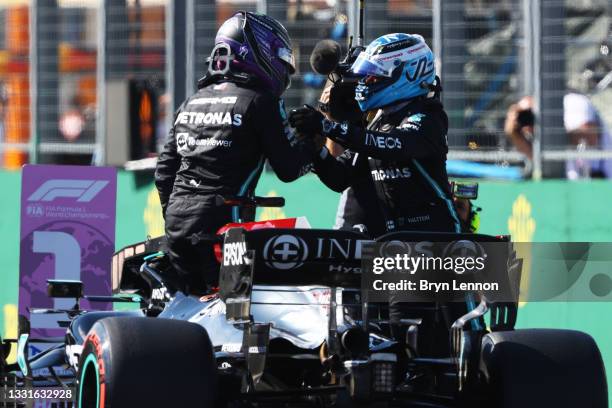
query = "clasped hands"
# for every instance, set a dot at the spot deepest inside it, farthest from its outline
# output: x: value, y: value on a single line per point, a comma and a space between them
x: 308, y: 123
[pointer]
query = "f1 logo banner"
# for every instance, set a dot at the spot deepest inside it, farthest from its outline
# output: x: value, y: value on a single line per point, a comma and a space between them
x: 67, y: 232
x: 82, y: 190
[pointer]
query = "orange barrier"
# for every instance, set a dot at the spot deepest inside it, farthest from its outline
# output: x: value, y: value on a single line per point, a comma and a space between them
x: 17, y: 117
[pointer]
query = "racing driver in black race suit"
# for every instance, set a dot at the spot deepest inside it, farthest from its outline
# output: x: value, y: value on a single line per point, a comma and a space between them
x: 220, y: 139
x: 402, y: 151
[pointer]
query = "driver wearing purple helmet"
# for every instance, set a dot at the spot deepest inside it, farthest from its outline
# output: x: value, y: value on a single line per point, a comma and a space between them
x: 220, y: 139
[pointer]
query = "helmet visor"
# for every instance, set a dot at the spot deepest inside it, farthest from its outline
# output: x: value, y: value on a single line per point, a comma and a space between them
x: 285, y: 54
x: 365, y: 66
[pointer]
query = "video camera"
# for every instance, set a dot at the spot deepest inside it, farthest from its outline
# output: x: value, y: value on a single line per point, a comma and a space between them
x: 326, y: 60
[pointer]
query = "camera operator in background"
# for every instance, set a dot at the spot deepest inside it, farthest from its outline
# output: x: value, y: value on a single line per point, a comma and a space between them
x: 584, y: 127
x: 220, y: 139
x: 519, y: 125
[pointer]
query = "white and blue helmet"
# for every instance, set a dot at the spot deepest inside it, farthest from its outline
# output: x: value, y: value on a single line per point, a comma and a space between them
x: 393, y: 68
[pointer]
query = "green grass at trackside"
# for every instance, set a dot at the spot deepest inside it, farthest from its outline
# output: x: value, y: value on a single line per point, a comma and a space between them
x: 9, y: 242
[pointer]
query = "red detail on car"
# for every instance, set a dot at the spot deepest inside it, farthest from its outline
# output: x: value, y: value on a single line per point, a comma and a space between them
x: 250, y: 226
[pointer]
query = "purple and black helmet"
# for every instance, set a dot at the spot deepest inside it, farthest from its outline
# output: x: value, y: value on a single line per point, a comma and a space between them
x: 258, y: 45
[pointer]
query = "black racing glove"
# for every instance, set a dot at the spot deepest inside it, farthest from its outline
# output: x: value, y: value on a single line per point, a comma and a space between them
x: 307, y: 120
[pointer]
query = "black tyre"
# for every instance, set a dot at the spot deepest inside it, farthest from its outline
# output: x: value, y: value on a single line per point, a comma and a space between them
x: 146, y: 362
x: 543, y: 368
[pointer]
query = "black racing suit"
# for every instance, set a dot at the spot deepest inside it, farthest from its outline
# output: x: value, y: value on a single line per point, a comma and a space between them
x: 402, y: 154
x: 219, y: 142
x: 358, y: 205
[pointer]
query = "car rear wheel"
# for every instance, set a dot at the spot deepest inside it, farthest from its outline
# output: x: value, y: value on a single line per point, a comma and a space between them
x: 543, y: 368
x: 139, y: 361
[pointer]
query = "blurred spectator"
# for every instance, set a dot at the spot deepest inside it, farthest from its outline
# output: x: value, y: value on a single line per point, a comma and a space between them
x: 583, y: 124
x: 597, y: 72
x: 519, y: 125
x: 76, y: 125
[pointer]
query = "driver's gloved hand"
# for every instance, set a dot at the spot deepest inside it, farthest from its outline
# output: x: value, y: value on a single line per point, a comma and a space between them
x: 307, y: 120
x: 313, y: 143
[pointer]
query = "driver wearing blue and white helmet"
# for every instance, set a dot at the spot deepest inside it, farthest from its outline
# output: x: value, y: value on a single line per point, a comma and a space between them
x: 402, y: 152
x: 403, y: 149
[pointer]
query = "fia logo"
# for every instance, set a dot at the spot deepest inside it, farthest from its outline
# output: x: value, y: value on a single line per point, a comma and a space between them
x: 35, y: 210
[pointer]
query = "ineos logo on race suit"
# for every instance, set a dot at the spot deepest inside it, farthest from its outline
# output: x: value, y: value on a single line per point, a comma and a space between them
x: 209, y: 118
x: 233, y: 253
x: 285, y: 252
x: 391, y: 173
x: 383, y: 142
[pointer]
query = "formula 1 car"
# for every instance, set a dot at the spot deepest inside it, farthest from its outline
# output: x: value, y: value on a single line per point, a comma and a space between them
x: 289, y: 327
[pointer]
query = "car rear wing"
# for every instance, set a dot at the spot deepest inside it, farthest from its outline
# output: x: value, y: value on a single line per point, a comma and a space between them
x: 302, y: 257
